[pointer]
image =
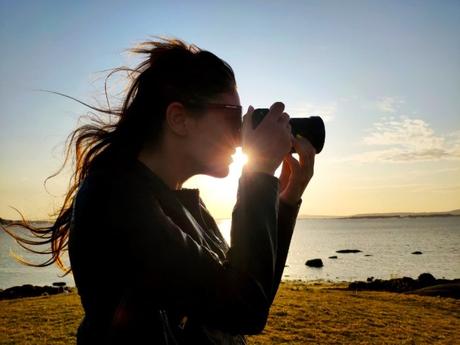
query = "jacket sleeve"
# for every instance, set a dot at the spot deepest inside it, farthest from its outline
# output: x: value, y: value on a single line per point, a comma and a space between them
x: 233, y: 296
x: 287, y: 216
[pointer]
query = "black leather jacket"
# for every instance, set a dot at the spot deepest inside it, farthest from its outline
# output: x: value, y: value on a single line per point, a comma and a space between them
x: 152, y: 267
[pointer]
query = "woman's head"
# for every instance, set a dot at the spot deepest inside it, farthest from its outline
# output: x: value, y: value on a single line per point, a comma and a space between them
x: 172, y: 72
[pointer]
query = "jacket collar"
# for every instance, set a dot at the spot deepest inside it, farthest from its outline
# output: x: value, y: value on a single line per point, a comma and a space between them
x: 189, y: 197
x: 174, y: 201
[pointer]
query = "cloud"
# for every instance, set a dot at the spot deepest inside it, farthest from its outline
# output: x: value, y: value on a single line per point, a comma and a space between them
x: 389, y: 104
x: 326, y: 111
x: 408, y: 140
x: 410, y: 187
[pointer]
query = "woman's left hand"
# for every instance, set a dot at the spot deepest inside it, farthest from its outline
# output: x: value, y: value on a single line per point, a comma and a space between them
x: 296, y: 174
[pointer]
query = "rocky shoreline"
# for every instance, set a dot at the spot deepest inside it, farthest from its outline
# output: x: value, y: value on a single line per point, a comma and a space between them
x: 28, y: 290
x: 426, y: 285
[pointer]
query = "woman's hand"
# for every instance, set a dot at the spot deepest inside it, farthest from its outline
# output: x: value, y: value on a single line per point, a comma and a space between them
x: 296, y: 174
x: 269, y: 142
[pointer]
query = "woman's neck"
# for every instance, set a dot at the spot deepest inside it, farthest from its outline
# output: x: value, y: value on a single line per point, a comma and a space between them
x: 167, y: 164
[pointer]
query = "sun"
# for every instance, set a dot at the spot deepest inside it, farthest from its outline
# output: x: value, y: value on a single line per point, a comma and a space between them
x: 239, y: 160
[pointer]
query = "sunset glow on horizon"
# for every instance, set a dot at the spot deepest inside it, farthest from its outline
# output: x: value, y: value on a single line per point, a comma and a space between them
x: 383, y: 76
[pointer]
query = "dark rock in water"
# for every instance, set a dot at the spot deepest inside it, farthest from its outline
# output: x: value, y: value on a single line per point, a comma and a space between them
x: 346, y: 251
x: 369, y: 279
x: 59, y: 284
x: 286, y: 265
x: 417, y: 253
x: 28, y: 290
x: 368, y: 255
x: 333, y: 257
x: 314, y: 263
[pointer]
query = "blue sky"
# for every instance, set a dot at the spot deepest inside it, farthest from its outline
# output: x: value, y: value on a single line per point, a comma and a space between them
x: 385, y: 75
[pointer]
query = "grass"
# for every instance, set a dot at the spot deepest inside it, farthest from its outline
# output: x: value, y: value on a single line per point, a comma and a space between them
x: 301, y: 314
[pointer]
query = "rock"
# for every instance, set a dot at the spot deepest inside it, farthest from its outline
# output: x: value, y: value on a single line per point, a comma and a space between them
x: 314, y: 263
x: 426, y: 279
x: 333, y: 257
x: 394, y: 285
x: 59, y: 284
x: 451, y: 290
x: 286, y: 265
x: 417, y: 253
x: 346, y: 251
x: 369, y: 279
x: 368, y: 255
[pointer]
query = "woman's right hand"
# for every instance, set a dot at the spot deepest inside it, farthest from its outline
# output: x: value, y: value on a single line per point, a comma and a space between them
x: 269, y: 142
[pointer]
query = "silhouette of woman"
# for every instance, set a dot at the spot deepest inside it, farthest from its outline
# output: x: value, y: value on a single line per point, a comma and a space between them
x: 149, y: 261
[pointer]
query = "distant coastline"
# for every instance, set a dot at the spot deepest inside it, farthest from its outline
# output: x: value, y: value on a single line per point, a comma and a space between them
x: 4, y: 221
x: 452, y: 213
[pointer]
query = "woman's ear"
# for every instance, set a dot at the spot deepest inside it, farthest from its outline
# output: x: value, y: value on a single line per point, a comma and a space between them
x: 176, y: 118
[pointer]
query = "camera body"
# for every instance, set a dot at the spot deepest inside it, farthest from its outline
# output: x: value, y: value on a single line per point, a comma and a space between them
x: 311, y: 127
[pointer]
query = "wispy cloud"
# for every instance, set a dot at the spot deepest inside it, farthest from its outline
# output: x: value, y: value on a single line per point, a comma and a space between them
x: 389, y: 104
x: 408, y: 140
x: 411, y: 187
x: 326, y: 111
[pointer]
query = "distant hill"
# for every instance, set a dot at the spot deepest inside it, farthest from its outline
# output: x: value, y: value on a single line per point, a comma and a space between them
x: 407, y: 214
x: 452, y: 213
x: 4, y: 221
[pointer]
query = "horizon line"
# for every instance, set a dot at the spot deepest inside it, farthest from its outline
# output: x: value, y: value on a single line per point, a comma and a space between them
x: 455, y: 212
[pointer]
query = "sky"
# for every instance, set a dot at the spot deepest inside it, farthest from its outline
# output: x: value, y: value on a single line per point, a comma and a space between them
x: 383, y: 74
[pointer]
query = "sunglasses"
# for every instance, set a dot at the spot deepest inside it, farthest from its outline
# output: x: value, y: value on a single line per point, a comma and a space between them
x: 232, y: 114
x: 237, y: 110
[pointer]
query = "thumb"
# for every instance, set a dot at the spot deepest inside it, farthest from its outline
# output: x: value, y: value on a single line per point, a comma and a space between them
x: 246, y: 126
x: 248, y: 116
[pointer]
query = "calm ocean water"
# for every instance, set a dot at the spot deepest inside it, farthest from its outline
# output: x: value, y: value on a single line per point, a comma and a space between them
x: 389, y: 242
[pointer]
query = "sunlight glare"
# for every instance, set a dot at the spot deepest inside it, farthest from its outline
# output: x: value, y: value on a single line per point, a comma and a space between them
x: 239, y: 160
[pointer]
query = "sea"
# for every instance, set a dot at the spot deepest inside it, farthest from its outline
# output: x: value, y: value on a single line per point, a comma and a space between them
x: 386, y: 246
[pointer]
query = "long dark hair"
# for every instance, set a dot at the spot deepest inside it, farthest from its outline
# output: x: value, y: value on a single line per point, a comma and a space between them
x: 172, y: 71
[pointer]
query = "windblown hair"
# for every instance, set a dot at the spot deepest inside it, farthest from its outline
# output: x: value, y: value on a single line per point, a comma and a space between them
x: 173, y: 71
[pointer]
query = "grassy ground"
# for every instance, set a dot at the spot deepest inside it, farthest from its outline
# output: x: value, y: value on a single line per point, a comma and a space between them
x: 301, y: 314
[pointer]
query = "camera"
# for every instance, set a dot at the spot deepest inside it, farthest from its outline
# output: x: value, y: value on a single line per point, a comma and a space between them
x: 311, y: 127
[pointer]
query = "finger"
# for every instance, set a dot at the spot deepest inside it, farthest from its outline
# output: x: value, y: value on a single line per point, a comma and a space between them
x: 302, y: 144
x: 248, y: 115
x: 284, y: 118
x: 304, y: 148
x: 247, y: 119
x: 292, y: 163
x: 276, y: 110
x: 285, y: 173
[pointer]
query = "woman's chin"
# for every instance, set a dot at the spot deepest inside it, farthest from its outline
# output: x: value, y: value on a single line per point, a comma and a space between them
x: 219, y: 172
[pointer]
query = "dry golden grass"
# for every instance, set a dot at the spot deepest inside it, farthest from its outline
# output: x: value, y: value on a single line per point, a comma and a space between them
x: 309, y: 314
x: 40, y: 320
x: 301, y: 314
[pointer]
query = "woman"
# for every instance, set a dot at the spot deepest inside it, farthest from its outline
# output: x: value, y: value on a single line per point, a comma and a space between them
x: 149, y: 261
